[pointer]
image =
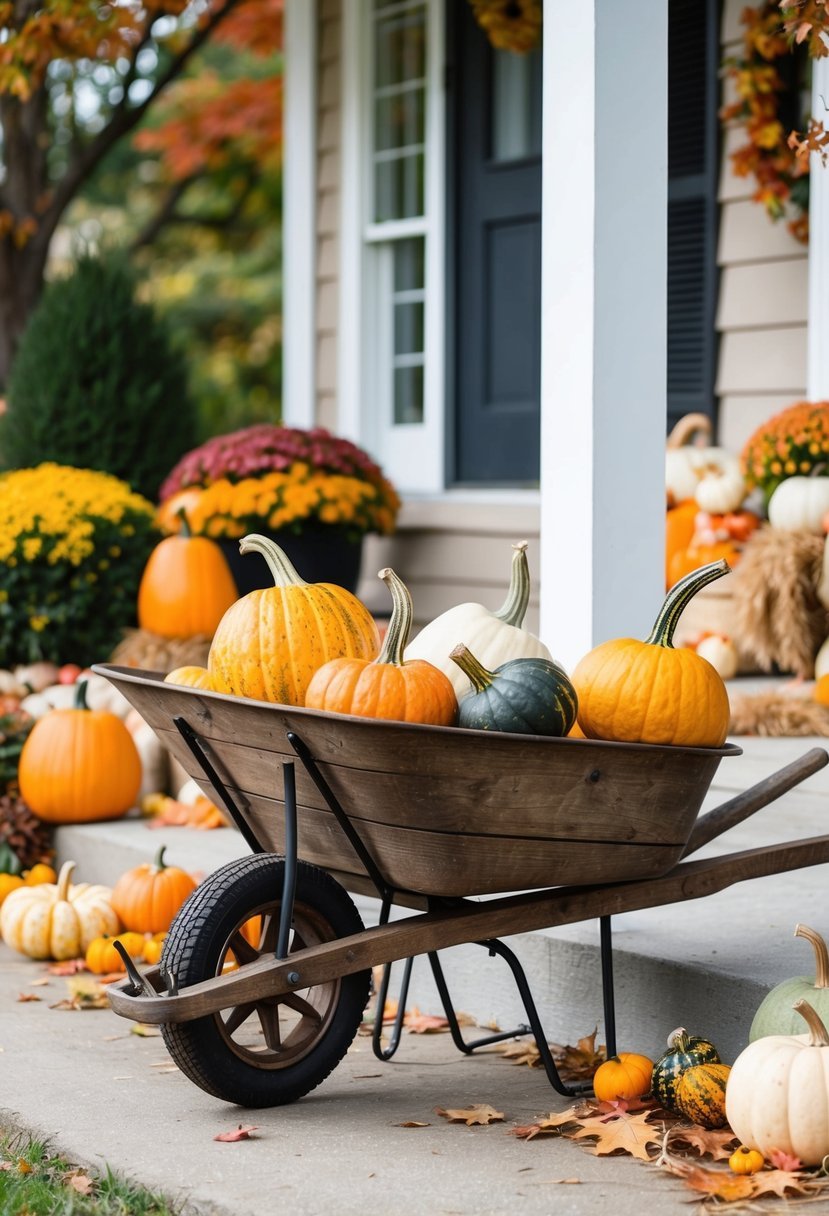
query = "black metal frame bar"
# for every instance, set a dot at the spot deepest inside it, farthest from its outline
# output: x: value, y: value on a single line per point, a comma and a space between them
x: 386, y: 893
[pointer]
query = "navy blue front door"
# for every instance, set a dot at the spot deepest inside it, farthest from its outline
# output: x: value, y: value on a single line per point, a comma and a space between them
x: 494, y: 176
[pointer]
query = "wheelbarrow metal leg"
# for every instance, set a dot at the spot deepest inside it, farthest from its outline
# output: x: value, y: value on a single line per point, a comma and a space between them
x: 381, y: 1052
x: 286, y: 908
x: 199, y: 750
x: 608, y: 998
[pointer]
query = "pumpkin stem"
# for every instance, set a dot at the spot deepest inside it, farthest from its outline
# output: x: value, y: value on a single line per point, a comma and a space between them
x: 284, y: 574
x: 160, y: 863
x: 818, y: 1035
x: 514, y: 608
x: 64, y: 880
x: 678, y: 599
x: 80, y: 695
x: 678, y: 1039
x: 185, y: 529
x: 821, y: 954
x: 400, y: 622
x: 478, y: 675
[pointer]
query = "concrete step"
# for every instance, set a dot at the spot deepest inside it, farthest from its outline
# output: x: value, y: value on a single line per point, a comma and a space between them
x: 705, y: 964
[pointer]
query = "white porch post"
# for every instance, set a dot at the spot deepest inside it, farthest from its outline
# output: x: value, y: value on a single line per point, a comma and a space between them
x: 603, y: 372
x: 818, y: 344
x: 299, y: 213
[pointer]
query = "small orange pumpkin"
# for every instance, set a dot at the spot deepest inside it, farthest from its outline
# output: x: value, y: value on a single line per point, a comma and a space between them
x: 191, y: 677
x: 626, y: 1075
x: 39, y: 873
x: 147, y: 897
x: 679, y: 531
x: 102, y: 958
x: 387, y: 687
x: 821, y: 690
x: 271, y: 641
x: 152, y: 948
x: 648, y: 692
x: 186, y: 587
x: 745, y: 1160
x: 9, y: 883
x: 79, y: 765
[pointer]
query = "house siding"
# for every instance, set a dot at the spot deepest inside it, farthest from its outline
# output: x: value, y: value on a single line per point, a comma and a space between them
x: 762, y: 307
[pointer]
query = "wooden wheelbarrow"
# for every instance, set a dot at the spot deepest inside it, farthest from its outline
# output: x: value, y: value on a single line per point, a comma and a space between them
x: 266, y: 970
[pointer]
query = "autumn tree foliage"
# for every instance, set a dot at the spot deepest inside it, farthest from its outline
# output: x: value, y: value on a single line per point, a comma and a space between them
x: 77, y: 77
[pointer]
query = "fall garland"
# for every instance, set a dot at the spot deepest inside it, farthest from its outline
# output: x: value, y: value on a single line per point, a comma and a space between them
x: 510, y: 25
x: 772, y: 153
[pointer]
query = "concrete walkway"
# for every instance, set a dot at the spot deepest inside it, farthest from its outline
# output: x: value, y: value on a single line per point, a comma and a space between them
x: 107, y: 1095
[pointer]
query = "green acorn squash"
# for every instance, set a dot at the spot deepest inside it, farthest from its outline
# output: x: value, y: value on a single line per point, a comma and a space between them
x: 775, y: 1014
x: 532, y: 696
x: 684, y: 1052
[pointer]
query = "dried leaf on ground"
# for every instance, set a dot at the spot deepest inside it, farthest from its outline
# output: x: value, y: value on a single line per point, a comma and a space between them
x: 424, y: 1023
x: 22, y: 997
x: 627, y: 1133
x: 143, y: 1031
x: 238, y: 1133
x: 84, y: 993
x: 481, y: 1113
x: 573, y: 1063
x: 718, y: 1144
x: 80, y: 1182
x: 41, y: 983
x: 783, y: 1183
x: 411, y: 1123
x: 522, y: 1051
x: 552, y: 1125
x: 69, y: 966
x: 717, y: 1184
x: 784, y: 1161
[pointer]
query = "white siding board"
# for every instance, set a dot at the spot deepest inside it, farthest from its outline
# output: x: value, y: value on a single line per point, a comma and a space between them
x: 741, y: 415
x: 732, y: 28
x: 763, y: 294
x: 747, y: 233
x: 771, y: 360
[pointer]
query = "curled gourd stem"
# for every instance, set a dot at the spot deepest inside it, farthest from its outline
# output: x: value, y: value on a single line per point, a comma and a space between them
x: 478, y: 675
x: 678, y: 599
x: 64, y: 879
x: 821, y: 954
x: 160, y: 864
x: 818, y: 1035
x: 184, y: 530
x: 400, y: 622
x: 514, y: 608
x: 284, y: 574
x: 80, y: 695
x: 678, y: 1039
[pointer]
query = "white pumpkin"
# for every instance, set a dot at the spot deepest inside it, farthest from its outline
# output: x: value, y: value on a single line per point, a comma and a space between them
x: 777, y: 1096
x: 721, y: 653
x: 493, y: 637
x: 685, y: 462
x: 721, y: 489
x: 822, y: 661
x: 57, y: 920
x: 799, y: 504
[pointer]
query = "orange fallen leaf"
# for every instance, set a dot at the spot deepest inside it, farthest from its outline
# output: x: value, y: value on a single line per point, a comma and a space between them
x: 627, y: 1133
x: 481, y: 1113
x: 718, y: 1144
x: 552, y: 1125
x: 239, y: 1133
x: 782, y: 1182
x: 69, y: 966
x: 784, y: 1161
x: 719, y: 1184
x: 22, y: 997
x: 424, y: 1023
x: 81, y: 1183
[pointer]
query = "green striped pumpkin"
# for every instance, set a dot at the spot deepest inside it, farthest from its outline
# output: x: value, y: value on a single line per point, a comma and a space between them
x: 684, y: 1051
x: 527, y: 696
x: 700, y: 1094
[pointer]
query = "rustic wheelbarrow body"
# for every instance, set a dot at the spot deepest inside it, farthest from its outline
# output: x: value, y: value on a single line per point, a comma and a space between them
x: 266, y: 970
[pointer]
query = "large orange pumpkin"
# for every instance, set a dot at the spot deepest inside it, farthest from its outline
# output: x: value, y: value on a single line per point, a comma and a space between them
x: 79, y: 765
x: 387, y: 687
x: 647, y: 692
x: 186, y: 587
x: 679, y: 532
x: 147, y: 897
x: 271, y: 641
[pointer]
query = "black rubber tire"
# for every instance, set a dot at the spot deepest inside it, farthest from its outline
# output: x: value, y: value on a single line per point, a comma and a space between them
x: 198, y: 946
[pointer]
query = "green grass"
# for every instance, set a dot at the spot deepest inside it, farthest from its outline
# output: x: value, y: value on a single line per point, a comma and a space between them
x: 36, y: 1181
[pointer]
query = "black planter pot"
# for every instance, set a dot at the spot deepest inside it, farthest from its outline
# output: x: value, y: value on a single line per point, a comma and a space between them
x: 321, y: 554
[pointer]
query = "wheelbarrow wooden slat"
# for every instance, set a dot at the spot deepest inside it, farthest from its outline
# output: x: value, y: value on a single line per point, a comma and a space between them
x: 433, y: 931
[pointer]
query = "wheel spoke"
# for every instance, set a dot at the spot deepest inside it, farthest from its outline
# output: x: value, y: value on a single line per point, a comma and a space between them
x: 269, y: 1019
x: 270, y: 932
x: 299, y: 1004
x: 243, y: 951
x: 238, y: 1015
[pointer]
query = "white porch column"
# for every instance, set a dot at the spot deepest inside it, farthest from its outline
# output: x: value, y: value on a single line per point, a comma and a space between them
x: 818, y: 346
x: 603, y: 391
x: 299, y: 213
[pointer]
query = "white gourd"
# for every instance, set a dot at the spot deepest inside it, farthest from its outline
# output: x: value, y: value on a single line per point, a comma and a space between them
x: 721, y: 653
x: 777, y: 1096
x: 799, y: 504
x: 57, y: 920
x: 493, y: 637
x: 822, y: 661
x: 722, y: 489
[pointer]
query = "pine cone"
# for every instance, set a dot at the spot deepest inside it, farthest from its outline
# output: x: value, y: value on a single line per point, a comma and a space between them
x: 26, y: 835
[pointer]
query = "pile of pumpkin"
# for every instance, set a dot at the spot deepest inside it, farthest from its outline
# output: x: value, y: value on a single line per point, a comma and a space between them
x: 44, y: 915
x: 318, y: 646
x: 776, y: 1094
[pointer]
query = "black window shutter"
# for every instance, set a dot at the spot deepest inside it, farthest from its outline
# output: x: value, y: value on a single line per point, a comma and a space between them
x: 693, y: 167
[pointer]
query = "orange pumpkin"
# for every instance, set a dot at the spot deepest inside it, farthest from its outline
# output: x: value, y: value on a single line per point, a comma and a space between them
x: 40, y: 872
x: 168, y: 513
x: 821, y: 690
x: 9, y: 883
x: 186, y: 587
x: 102, y: 958
x: 626, y: 1075
x: 153, y: 947
x: 679, y: 531
x: 648, y: 692
x: 79, y: 765
x: 271, y: 641
x: 685, y: 561
x: 387, y: 687
x: 147, y: 897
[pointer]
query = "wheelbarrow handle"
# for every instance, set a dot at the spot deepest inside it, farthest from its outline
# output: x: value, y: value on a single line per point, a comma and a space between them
x: 755, y: 798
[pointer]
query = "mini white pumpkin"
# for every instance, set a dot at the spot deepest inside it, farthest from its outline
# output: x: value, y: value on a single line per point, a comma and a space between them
x: 721, y: 653
x: 721, y: 489
x: 799, y: 504
x: 685, y: 462
x: 777, y: 1096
